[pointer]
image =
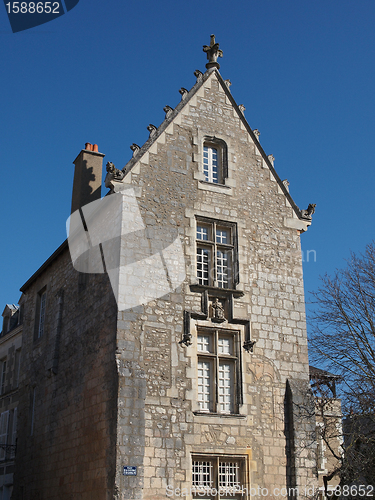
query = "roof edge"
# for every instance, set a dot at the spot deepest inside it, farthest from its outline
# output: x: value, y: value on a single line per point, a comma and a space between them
x: 48, y: 262
x: 167, y: 121
x: 261, y: 150
x: 162, y: 127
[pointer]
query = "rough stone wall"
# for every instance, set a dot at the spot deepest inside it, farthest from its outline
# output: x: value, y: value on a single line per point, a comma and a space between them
x: 300, y: 436
x: 158, y: 430
x: 71, y: 369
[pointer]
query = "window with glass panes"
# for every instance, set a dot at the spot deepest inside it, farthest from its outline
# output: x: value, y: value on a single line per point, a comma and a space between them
x: 218, y: 478
x: 215, y: 253
x: 211, y: 164
x: 217, y: 376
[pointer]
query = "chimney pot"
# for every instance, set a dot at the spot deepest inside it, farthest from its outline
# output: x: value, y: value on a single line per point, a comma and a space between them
x: 95, y: 148
x: 88, y: 146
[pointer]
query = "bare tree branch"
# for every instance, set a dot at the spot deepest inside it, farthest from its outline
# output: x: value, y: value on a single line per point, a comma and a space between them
x: 343, y: 341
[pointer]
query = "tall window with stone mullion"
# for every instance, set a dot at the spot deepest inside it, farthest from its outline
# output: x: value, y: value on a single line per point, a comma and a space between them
x: 210, y: 164
x: 215, y: 254
x: 217, y: 371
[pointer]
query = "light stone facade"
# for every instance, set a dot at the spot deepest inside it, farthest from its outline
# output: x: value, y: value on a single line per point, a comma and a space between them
x: 119, y: 389
x: 174, y: 193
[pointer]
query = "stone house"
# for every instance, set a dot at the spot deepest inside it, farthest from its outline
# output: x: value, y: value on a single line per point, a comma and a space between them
x: 10, y: 356
x: 329, y: 429
x: 141, y: 382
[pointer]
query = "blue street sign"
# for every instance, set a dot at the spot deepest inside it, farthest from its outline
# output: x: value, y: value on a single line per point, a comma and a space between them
x: 129, y: 470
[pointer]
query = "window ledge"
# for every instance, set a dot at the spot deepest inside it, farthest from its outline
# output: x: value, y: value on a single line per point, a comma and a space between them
x: 216, y: 290
x: 218, y: 184
x: 9, y: 393
x: 215, y: 187
x: 220, y: 415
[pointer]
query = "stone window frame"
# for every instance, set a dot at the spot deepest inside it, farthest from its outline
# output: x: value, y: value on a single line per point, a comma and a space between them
x: 190, y: 232
x: 227, y: 159
x: 235, y: 329
x: 17, y: 368
x: 220, y: 146
x: 211, y: 479
x: 40, y: 313
x: 214, y: 246
x: 214, y: 358
x: 8, y: 434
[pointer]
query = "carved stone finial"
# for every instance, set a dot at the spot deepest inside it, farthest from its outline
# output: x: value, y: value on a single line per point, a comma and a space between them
x: 242, y: 108
x: 152, y: 129
x: 271, y: 159
x: 213, y: 52
x: 135, y: 148
x: 228, y: 83
x: 168, y: 111
x: 113, y: 174
x: 256, y: 133
x: 198, y: 74
x: 286, y: 184
x: 184, y: 92
x: 307, y: 214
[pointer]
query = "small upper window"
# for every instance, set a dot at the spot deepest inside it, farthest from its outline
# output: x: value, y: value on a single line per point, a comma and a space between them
x: 214, y: 160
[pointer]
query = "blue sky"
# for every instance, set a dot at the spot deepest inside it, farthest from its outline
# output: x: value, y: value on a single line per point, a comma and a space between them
x: 105, y: 70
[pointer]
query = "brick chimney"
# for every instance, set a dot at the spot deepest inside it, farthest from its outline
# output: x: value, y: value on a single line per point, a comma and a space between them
x: 87, y: 184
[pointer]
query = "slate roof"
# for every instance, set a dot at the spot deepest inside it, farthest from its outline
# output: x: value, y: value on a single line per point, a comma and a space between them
x: 317, y: 373
x: 12, y: 307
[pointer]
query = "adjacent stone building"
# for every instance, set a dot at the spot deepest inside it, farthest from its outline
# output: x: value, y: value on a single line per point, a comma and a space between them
x: 10, y: 357
x: 329, y: 429
x: 203, y: 388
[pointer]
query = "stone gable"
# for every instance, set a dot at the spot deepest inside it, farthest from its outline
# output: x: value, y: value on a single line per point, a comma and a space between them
x: 212, y: 374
